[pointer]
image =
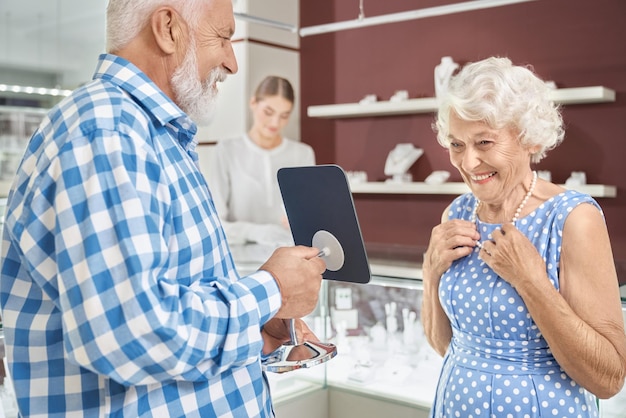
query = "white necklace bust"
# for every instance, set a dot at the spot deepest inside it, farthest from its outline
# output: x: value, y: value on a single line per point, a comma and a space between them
x: 443, y: 73
x: 400, y: 159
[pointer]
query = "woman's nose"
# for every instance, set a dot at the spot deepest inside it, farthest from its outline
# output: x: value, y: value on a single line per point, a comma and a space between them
x: 275, y: 120
x: 470, y: 159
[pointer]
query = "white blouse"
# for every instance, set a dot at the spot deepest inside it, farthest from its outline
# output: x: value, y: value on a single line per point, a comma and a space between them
x: 242, y: 180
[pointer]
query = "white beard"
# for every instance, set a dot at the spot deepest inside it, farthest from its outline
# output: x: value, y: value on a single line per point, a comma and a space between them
x: 194, y: 97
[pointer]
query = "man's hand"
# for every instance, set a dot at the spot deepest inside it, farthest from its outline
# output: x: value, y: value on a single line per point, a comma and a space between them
x: 276, y: 333
x: 298, y: 272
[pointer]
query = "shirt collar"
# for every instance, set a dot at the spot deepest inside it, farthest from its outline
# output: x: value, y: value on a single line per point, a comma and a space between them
x: 148, y: 95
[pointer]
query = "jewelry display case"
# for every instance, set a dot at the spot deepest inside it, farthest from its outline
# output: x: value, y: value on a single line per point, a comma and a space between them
x: 383, y: 358
x: 382, y: 350
x: 382, y: 354
x: 286, y: 387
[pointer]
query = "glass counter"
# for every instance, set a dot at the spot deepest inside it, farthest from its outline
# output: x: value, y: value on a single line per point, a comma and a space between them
x: 376, y: 355
x: 384, y: 353
x: 381, y: 348
x: 286, y: 386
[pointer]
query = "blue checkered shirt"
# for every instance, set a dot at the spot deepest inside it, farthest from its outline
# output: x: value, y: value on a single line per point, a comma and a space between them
x: 119, y: 294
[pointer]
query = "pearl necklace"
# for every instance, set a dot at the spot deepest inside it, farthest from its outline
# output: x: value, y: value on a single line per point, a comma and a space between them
x: 518, y: 211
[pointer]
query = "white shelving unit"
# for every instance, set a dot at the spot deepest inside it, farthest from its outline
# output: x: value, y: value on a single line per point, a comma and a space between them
x: 5, y: 185
x: 17, y: 124
x: 566, y: 96
x: 595, y: 190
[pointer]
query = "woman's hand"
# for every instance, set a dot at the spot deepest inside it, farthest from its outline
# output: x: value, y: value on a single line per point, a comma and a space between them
x: 449, y: 241
x: 512, y: 256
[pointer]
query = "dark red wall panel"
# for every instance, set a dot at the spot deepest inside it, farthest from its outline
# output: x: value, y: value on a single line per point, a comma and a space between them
x: 575, y: 43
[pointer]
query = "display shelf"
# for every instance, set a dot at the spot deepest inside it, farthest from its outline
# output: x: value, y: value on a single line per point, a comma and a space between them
x: 386, y: 273
x: 456, y: 188
x: 385, y: 108
x: 583, y: 95
x: 568, y: 96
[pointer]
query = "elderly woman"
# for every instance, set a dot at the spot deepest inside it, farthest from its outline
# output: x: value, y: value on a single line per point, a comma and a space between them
x: 520, y: 290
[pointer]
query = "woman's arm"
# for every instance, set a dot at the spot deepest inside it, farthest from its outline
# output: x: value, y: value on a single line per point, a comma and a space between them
x: 582, y: 323
x: 449, y: 241
x: 434, y: 320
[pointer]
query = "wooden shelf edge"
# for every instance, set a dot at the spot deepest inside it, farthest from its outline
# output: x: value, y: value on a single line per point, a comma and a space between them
x: 594, y: 190
x: 567, y: 96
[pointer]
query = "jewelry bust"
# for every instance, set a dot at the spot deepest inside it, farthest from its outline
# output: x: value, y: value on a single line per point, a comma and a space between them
x: 400, y: 159
x: 443, y: 73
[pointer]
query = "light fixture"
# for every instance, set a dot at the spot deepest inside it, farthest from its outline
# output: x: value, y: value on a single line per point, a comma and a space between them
x: 266, y: 22
x: 362, y: 21
x: 43, y: 91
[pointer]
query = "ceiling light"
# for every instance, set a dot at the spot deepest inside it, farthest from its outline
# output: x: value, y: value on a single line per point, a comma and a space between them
x: 403, y: 16
x: 35, y: 90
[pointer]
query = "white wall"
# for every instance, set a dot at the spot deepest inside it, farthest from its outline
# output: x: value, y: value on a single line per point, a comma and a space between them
x: 283, y: 11
x: 260, y: 51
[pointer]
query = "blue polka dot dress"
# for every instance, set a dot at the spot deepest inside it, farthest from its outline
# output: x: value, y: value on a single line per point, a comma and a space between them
x: 498, y: 364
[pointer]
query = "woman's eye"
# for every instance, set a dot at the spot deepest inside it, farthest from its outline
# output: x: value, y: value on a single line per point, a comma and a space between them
x: 456, y: 147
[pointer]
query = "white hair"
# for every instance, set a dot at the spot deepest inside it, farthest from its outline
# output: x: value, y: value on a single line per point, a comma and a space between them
x: 500, y: 94
x: 126, y: 18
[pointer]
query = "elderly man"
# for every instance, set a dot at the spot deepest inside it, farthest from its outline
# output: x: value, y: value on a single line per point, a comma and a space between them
x: 118, y: 290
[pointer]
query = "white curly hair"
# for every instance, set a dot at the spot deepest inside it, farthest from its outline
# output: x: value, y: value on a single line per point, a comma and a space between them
x: 500, y: 94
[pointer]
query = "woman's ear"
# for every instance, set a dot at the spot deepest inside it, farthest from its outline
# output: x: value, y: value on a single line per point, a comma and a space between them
x: 533, y: 149
x: 165, y: 25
